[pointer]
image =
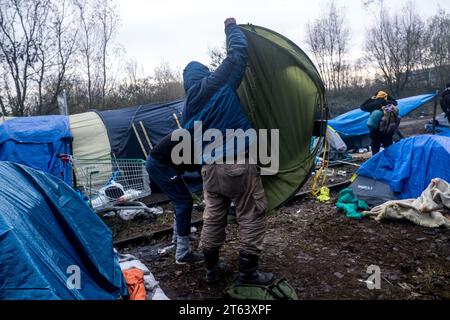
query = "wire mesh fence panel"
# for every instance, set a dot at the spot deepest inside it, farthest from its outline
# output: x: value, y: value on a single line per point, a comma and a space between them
x: 109, y: 182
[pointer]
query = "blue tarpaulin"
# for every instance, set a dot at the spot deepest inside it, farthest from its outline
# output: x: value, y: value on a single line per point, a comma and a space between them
x: 47, y: 234
x: 36, y: 142
x: 409, y: 165
x: 354, y: 123
x: 443, y: 131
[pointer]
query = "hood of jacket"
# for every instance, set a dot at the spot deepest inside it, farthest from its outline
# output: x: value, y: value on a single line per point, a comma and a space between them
x: 193, y: 74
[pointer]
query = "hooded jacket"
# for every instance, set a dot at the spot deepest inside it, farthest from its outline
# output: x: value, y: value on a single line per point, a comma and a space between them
x: 211, y: 96
x: 372, y: 104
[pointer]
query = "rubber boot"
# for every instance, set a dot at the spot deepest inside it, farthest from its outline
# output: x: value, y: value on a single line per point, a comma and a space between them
x: 183, y: 252
x: 215, y: 269
x: 248, y: 274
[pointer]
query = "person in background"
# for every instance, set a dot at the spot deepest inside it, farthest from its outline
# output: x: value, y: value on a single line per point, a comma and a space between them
x: 384, y: 120
x: 380, y: 99
x: 445, y: 101
x: 168, y: 177
x: 211, y: 98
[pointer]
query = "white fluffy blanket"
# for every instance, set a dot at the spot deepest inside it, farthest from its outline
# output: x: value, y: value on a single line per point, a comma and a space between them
x: 428, y: 210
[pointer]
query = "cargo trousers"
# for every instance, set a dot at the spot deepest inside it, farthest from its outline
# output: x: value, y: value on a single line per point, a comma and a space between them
x: 240, y: 183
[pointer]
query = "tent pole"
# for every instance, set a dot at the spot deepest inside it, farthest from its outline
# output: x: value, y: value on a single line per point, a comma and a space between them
x: 139, y: 140
x: 176, y: 119
x: 146, y: 135
x: 435, y: 111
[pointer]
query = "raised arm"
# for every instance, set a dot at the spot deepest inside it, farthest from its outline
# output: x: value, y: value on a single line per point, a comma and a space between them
x: 371, y: 105
x: 232, y: 69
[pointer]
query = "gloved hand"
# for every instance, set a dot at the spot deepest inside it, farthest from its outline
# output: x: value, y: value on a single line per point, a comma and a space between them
x: 229, y: 21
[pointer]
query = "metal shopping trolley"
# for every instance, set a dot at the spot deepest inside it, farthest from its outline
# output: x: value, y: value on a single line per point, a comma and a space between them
x: 113, y: 184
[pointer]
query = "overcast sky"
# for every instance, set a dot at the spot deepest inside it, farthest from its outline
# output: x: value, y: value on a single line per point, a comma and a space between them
x: 178, y: 31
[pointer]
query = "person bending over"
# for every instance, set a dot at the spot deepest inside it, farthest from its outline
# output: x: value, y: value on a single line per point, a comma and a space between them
x: 168, y: 177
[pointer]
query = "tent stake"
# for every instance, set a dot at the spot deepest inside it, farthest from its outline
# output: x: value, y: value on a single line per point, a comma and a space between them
x: 139, y: 140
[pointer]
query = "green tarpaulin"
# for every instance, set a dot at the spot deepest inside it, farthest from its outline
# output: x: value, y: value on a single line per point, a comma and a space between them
x: 283, y: 90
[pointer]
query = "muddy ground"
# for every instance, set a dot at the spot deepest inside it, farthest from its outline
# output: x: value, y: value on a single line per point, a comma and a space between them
x: 322, y: 253
x: 325, y: 255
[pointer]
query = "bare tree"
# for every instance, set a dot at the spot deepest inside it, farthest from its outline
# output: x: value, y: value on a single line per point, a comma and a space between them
x: 87, y: 44
x: 132, y: 71
x: 43, y: 46
x: 328, y: 38
x: 438, y: 35
x: 217, y: 55
x: 167, y: 83
x: 65, y: 32
x: 394, y: 45
x: 109, y: 20
x: 20, y: 22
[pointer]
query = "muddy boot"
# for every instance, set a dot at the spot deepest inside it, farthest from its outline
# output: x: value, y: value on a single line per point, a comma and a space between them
x: 215, y: 269
x: 248, y: 274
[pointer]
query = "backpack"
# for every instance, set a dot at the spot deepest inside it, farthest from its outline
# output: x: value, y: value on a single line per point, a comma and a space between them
x: 390, y: 121
x: 277, y: 290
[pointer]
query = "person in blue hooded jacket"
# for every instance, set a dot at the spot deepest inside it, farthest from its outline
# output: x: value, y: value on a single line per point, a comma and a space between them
x: 211, y: 99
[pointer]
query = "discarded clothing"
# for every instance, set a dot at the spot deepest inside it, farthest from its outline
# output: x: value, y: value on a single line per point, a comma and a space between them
x: 135, y: 283
x: 350, y: 204
x: 130, y: 214
x: 154, y: 292
x: 426, y: 210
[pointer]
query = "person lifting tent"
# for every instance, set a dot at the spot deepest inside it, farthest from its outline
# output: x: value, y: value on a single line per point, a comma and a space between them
x: 211, y: 99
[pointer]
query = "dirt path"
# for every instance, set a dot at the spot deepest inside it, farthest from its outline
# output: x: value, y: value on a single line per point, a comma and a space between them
x: 325, y: 255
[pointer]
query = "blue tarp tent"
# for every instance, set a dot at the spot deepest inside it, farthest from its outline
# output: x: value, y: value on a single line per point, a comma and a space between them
x: 354, y: 123
x: 36, y: 142
x: 45, y: 230
x: 409, y: 165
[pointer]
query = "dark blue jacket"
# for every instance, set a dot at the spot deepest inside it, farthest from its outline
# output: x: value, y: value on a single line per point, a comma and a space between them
x: 211, y: 96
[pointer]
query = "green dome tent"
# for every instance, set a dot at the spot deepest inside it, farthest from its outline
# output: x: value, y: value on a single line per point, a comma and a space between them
x: 283, y: 90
